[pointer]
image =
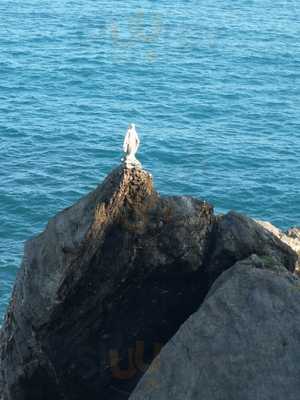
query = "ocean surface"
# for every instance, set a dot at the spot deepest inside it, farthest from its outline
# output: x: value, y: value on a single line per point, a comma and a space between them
x: 213, y: 87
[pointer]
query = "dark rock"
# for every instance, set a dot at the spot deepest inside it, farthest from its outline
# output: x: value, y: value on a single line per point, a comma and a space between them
x: 242, y: 344
x: 237, y: 237
x: 119, y: 270
x: 110, y: 281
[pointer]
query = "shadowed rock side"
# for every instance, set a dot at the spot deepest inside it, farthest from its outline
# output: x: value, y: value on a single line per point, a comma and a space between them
x: 242, y: 344
x: 110, y: 281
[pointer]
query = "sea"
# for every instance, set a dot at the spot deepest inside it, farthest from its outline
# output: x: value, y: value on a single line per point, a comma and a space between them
x: 212, y: 86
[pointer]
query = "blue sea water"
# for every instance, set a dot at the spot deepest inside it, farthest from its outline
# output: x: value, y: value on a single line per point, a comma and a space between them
x: 213, y: 87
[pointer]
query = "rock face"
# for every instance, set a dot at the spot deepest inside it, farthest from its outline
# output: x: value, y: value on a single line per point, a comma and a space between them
x: 236, y: 237
x: 242, y: 344
x: 110, y: 281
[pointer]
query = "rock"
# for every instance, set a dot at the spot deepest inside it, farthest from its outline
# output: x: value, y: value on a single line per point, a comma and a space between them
x: 236, y: 237
x: 242, y: 344
x: 294, y: 233
x: 291, y: 237
x: 110, y: 281
x: 110, y: 278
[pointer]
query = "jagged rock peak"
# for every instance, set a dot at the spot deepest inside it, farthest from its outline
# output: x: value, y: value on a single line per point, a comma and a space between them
x: 127, y: 182
x: 123, y: 188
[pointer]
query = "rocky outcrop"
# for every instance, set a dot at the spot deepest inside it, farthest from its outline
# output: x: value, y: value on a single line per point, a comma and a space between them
x: 110, y: 281
x: 119, y: 270
x: 242, y: 344
x: 291, y: 237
